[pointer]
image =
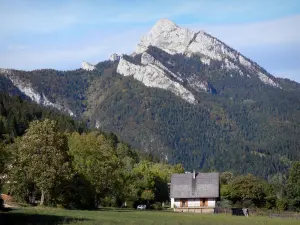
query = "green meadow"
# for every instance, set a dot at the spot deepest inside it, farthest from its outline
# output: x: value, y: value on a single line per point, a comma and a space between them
x: 52, y: 216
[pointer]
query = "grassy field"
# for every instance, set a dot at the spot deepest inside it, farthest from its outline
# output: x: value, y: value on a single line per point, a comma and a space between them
x: 51, y: 216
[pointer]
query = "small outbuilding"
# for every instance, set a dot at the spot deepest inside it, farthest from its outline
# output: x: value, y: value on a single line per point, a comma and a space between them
x: 194, y: 192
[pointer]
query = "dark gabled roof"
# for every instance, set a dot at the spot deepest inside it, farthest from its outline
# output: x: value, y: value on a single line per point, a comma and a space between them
x: 205, y: 185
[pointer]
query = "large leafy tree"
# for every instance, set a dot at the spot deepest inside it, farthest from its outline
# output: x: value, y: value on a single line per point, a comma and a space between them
x: 42, y: 158
x: 226, y: 178
x: 94, y: 158
x: 278, y: 182
x: 151, y: 179
x: 249, y: 188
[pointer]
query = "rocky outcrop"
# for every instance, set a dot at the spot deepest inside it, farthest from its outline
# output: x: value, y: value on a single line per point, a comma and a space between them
x: 152, y: 75
x: 176, y: 40
x: 167, y: 36
x: 27, y: 89
x: 114, y: 57
x: 87, y: 66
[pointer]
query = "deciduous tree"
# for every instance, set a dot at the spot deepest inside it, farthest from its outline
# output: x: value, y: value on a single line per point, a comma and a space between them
x: 43, y: 157
x: 95, y: 159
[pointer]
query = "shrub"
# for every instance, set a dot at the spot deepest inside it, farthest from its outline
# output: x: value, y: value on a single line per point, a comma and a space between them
x: 281, y: 204
x: 270, y: 202
x: 130, y: 204
x: 108, y: 201
x: 295, y: 205
x: 157, y: 206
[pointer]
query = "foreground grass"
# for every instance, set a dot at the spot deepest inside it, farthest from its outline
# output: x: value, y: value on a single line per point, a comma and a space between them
x: 51, y: 216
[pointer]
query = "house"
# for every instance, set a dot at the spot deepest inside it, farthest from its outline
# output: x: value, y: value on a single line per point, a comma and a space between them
x: 194, y: 192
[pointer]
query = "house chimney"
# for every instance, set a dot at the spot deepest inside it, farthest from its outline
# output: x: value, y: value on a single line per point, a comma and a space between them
x: 194, y: 174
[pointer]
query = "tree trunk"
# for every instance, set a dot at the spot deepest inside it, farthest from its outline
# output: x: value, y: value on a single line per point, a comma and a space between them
x: 42, y: 198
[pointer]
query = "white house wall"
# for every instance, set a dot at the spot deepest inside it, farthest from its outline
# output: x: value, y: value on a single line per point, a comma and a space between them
x: 211, y: 202
x: 192, y: 202
x: 175, y: 202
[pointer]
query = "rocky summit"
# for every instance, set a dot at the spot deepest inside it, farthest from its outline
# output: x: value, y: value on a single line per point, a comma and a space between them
x: 173, y: 40
x: 182, y: 96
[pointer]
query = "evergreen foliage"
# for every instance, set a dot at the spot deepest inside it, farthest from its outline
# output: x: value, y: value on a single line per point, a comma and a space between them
x: 242, y: 124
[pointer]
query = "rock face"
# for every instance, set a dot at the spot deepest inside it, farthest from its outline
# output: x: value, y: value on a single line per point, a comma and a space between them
x: 27, y: 89
x: 167, y: 36
x: 87, y: 66
x: 114, y: 57
x: 175, y: 40
x: 175, y: 59
x: 153, y: 76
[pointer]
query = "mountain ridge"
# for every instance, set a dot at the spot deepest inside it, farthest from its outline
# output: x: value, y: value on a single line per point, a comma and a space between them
x: 223, y: 112
x: 190, y: 39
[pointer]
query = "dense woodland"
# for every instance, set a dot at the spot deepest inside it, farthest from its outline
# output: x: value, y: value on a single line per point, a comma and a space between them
x: 243, y: 125
x: 59, y: 162
x: 49, y: 158
x: 76, y: 170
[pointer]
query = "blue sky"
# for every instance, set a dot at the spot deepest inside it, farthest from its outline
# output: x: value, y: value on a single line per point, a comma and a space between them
x: 61, y: 33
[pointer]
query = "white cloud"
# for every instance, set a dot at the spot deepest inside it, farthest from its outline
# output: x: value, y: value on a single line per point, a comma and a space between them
x: 92, y: 49
x: 17, y: 47
x: 118, y: 29
x: 48, y: 16
x: 273, y: 32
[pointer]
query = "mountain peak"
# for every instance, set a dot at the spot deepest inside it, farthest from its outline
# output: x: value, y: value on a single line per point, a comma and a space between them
x: 87, y: 66
x: 167, y: 36
x: 164, y: 25
x: 173, y: 39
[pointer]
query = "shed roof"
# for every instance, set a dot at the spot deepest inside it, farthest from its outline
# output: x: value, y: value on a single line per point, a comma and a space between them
x: 204, y: 185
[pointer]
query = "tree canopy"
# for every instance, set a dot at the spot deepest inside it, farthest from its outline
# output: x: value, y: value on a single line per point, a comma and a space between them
x: 43, y: 156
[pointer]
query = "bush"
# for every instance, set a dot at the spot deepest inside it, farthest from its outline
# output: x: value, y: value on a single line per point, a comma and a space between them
x: 130, y: 204
x: 294, y: 205
x: 281, y: 204
x: 270, y: 202
x: 108, y: 201
x: 157, y: 206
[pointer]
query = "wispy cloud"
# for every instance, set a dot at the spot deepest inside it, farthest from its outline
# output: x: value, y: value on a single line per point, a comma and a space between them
x: 69, y: 56
x: 32, y: 16
x: 274, y: 32
x: 62, y: 33
x: 17, y: 47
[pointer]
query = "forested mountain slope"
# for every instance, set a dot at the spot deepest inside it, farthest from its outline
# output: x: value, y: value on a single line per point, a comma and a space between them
x: 183, y: 95
x: 16, y: 113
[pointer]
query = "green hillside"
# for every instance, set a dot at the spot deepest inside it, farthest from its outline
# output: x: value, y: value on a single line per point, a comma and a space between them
x: 242, y: 125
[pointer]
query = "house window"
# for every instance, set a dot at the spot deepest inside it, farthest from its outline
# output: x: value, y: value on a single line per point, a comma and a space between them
x: 183, y: 203
x: 203, y: 202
